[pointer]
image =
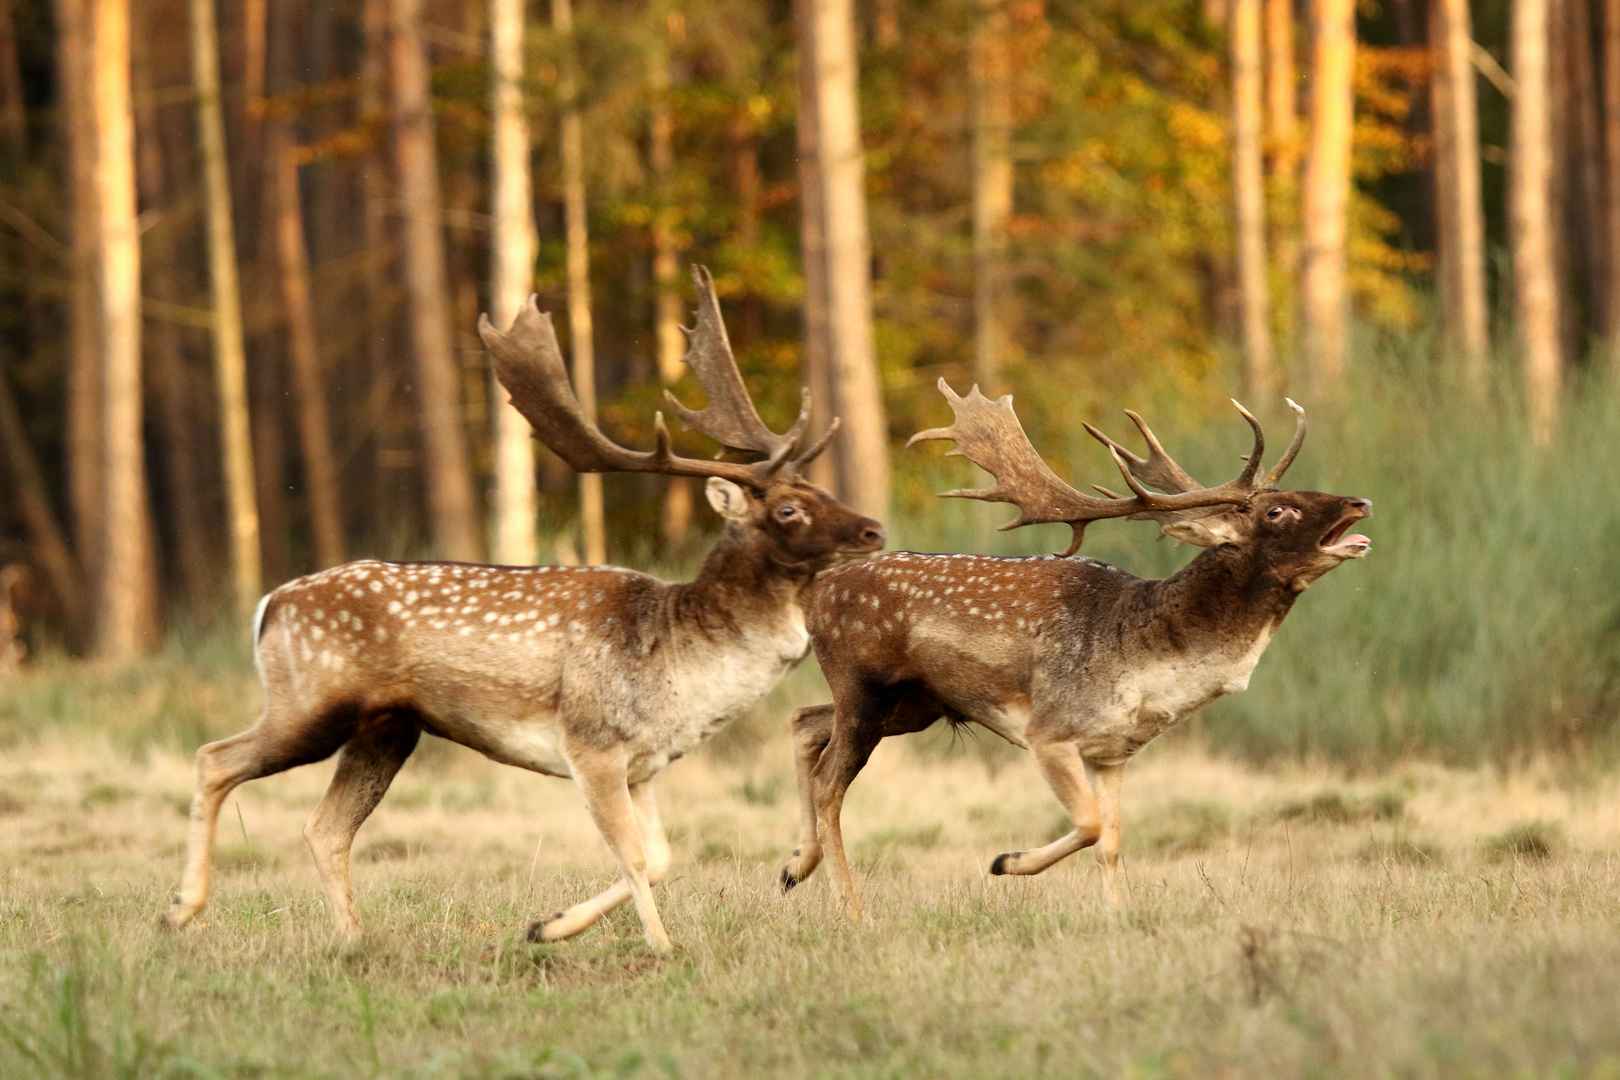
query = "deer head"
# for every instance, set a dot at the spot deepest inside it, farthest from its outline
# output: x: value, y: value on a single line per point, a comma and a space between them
x: 803, y: 525
x: 1301, y: 533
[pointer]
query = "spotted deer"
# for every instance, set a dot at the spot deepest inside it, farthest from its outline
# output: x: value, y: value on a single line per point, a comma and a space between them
x: 596, y: 673
x: 1073, y: 659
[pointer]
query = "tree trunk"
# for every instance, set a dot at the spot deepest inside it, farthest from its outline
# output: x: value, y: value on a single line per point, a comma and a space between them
x: 1459, y: 207
x: 512, y: 251
x: 1580, y: 78
x: 85, y: 476
x: 314, y: 430
x: 438, y: 382
x: 230, y: 358
x: 1248, y: 187
x: 581, y: 337
x: 858, y: 390
x: 824, y: 470
x: 182, y: 497
x: 1611, y: 149
x: 1282, y: 125
x: 125, y: 615
x: 1535, y: 290
x: 671, y: 342
x: 13, y: 115
x: 1327, y: 194
x: 45, y: 533
x: 990, y: 79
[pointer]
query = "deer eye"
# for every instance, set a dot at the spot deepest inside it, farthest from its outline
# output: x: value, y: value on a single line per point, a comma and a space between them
x: 1274, y: 513
x: 787, y: 512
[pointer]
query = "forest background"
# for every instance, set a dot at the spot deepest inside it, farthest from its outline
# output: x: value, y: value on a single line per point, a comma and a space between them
x: 1406, y: 216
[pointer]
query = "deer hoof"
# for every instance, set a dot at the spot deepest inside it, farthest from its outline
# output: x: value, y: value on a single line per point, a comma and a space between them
x: 999, y: 867
x: 537, y: 929
x: 787, y: 879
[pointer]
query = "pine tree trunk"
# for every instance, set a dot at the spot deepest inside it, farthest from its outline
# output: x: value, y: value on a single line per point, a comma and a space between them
x: 46, y: 536
x: 1535, y: 291
x: 1248, y: 186
x: 314, y: 429
x: 1282, y: 132
x: 512, y: 251
x: 1327, y: 194
x: 125, y: 614
x: 824, y: 470
x: 85, y: 463
x: 1611, y: 149
x: 230, y: 357
x: 991, y: 90
x: 451, y: 504
x: 581, y: 333
x: 857, y: 388
x: 1581, y: 80
x: 13, y: 114
x: 671, y: 342
x: 1459, y: 206
x: 182, y: 499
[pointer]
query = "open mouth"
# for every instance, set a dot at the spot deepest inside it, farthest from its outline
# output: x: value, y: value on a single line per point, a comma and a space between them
x: 1337, y: 543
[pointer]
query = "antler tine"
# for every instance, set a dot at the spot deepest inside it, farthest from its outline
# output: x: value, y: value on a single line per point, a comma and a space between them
x: 1287, y: 459
x: 1158, y: 468
x: 729, y: 417
x: 529, y: 364
x: 989, y: 435
x: 816, y: 447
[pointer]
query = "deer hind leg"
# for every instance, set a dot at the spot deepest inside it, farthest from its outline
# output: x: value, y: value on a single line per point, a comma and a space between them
x: 368, y: 764
x: 584, y: 915
x: 601, y: 779
x: 1107, y: 780
x: 812, y: 730
x: 278, y: 742
x: 1065, y: 774
x: 846, y: 754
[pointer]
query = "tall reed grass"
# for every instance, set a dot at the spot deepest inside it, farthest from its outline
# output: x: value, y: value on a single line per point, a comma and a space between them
x: 1484, y: 625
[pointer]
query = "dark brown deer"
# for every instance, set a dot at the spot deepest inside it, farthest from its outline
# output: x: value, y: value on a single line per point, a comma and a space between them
x: 595, y: 673
x: 1070, y: 658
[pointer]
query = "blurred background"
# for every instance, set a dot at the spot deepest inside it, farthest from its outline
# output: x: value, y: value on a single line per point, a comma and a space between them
x: 244, y: 248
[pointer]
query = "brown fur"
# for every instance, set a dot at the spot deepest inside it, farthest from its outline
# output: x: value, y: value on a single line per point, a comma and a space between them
x: 596, y: 673
x: 1072, y: 658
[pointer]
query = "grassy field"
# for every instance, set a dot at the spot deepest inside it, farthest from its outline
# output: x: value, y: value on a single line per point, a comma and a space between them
x: 1293, y: 921
x: 1393, y: 857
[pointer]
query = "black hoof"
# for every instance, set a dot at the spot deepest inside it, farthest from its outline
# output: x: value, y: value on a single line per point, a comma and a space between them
x: 537, y: 929
x: 999, y: 867
x: 787, y: 879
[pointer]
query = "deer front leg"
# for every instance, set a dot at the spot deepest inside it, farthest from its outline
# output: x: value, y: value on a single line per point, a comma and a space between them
x: 367, y: 766
x: 846, y: 754
x: 584, y: 915
x: 812, y: 730
x: 1108, y: 779
x: 1065, y: 774
x: 600, y: 775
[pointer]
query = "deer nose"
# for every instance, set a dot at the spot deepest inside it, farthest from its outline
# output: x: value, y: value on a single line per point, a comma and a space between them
x: 1364, y: 505
x: 872, y: 535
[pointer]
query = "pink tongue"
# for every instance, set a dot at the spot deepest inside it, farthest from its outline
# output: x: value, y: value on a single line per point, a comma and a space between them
x: 1354, y: 538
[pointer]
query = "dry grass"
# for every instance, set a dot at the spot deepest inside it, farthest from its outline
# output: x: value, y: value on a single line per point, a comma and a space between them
x: 1429, y: 923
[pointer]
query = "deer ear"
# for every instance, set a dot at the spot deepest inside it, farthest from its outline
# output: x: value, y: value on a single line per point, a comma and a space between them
x: 1205, y: 533
x: 728, y: 499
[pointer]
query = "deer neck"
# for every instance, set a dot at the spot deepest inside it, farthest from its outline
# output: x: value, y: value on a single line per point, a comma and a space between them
x: 1226, y: 594
x: 742, y: 584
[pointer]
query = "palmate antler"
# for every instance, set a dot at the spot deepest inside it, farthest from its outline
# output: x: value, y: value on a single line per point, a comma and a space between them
x: 989, y: 435
x: 529, y: 364
x: 1161, y: 471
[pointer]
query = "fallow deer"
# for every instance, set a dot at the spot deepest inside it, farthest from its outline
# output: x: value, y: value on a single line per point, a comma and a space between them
x: 595, y: 673
x: 1071, y: 658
